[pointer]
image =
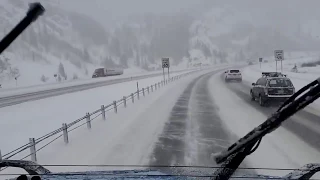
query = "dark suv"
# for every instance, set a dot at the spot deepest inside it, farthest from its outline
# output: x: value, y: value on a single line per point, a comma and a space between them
x: 272, y: 87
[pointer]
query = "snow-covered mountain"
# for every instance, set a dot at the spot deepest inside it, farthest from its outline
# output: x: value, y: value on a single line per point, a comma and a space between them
x: 210, y: 33
x: 248, y: 29
x: 57, y: 37
x: 80, y: 44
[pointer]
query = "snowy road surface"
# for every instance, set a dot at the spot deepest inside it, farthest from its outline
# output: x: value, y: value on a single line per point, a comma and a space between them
x: 206, y: 118
x: 194, y: 130
x: 185, y: 123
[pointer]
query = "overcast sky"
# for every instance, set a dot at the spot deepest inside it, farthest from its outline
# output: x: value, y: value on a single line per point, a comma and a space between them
x: 106, y: 10
x: 272, y: 12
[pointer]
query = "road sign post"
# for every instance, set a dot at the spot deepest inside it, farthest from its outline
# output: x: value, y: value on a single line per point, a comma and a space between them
x: 279, y: 56
x: 165, y: 64
x: 164, y: 77
x: 260, y: 61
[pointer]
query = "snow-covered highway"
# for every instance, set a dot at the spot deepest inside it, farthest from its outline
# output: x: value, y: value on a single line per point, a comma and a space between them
x: 9, y: 98
x: 185, y: 123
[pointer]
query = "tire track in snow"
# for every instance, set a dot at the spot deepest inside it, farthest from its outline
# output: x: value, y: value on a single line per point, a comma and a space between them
x: 210, y: 134
x: 296, y: 124
x: 169, y: 150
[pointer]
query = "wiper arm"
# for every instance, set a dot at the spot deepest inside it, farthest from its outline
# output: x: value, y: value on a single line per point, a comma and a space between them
x: 305, y: 172
x: 35, y: 10
x: 232, y: 157
x: 31, y: 167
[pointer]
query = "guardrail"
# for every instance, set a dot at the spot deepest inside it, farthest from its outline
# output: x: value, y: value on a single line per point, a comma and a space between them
x: 65, y: 130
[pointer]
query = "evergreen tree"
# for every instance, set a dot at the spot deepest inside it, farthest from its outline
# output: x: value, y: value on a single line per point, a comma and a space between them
x: 62, y: 71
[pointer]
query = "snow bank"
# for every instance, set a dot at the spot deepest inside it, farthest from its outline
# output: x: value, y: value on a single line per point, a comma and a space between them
x: 32, y: 71
x: 22, y: 90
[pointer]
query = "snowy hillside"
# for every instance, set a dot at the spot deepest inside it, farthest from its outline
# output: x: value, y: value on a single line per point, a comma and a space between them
x: 71, y: 45
x: 212, y: 33
x: 233, y: 31
x: 56, y: 37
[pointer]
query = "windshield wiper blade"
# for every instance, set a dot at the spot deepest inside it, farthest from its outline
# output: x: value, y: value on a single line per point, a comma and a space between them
x: 232, y: 157
x: 31, y: 167
x: 305, y: 172
x: 35, y: 10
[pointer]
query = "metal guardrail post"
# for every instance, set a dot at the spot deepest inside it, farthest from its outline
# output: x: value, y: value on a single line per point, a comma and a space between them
x: 33, y: 149
x: 103, y: 111
x: 65, y: 133
x: 151, y: 88
x: 155, y: 86
x: 88, y: 121
x: 125, y: 101
x: 143, y: 91
x: 115, y: 106
x: 138, y: 94
x: 148, y: 89
x: 132, y: 97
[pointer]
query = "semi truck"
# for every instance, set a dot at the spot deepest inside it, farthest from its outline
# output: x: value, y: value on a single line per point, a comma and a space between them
x: 103, y: 72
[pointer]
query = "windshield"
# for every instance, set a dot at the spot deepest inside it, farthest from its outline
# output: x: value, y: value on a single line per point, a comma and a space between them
x: 157, y: 85
x: 279, y: 82
x: 99, y: 71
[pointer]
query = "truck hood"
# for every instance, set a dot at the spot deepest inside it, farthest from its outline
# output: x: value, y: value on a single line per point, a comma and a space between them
x: 138, y: 174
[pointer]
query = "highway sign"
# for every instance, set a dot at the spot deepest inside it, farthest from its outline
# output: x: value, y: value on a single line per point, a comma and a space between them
x: 165, y: 63
x: 260, y: 59
x: 278, y: 55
